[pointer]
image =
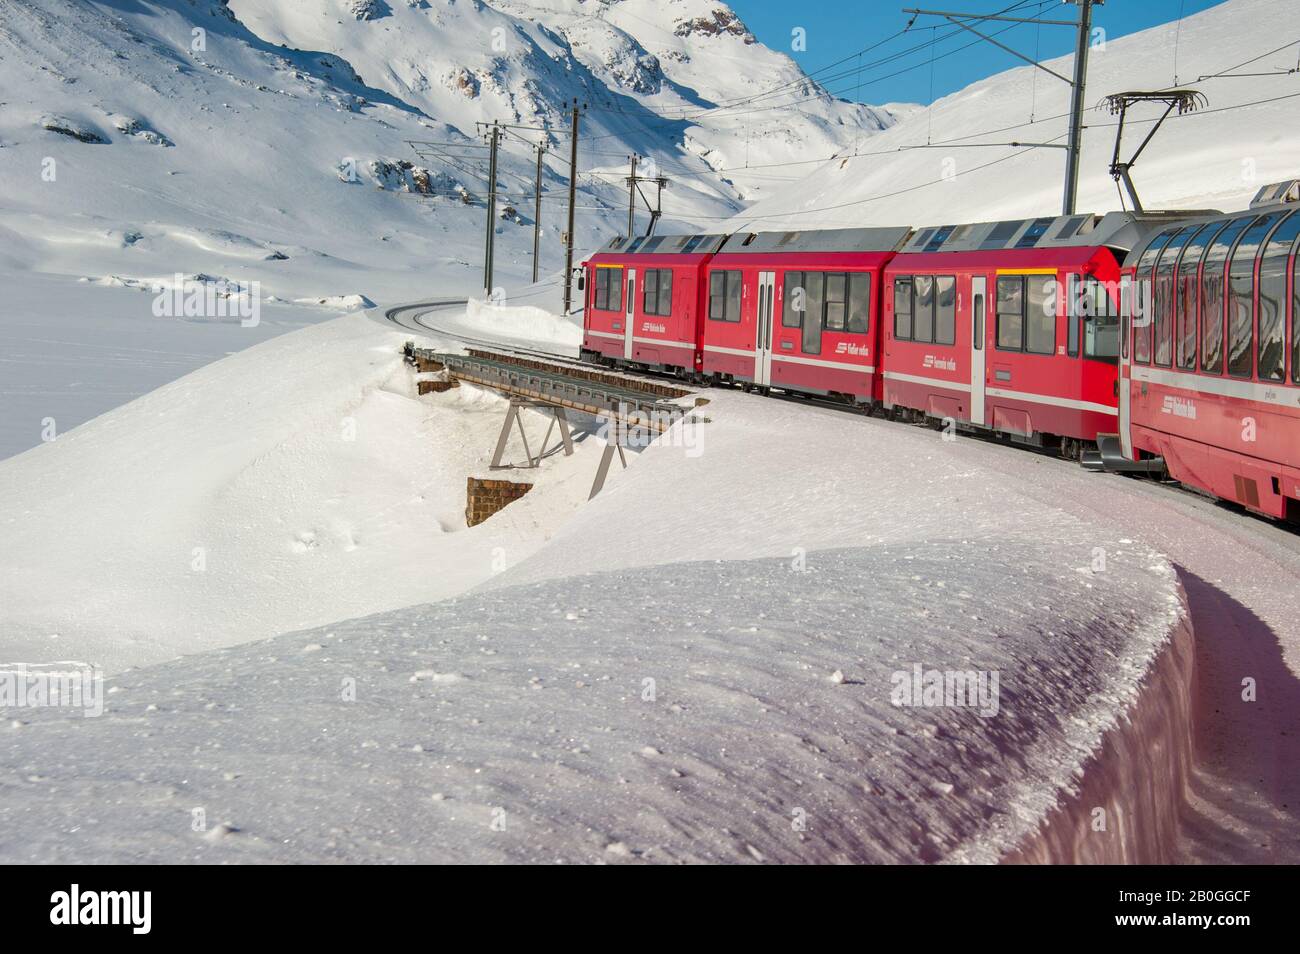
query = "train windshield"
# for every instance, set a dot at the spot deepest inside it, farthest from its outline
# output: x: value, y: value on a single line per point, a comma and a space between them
x: 1100, y: 322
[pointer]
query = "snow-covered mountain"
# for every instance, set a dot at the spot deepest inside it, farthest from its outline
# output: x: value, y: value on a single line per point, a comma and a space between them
x: 634, y: 62
x: 269, y: 141
x: 1215, y: 157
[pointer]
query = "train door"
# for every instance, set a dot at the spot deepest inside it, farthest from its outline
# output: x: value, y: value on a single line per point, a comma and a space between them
x: 1127, y: 287
x: 763, y: 325
x: 978, y: 337
x: 629, y: 318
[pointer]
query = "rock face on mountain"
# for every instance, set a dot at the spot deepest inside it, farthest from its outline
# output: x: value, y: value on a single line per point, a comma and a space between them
x: 659, y: 76
x: 269, y: 114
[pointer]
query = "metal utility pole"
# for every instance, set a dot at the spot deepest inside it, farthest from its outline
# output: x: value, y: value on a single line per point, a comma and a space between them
x: 1075, y: 146
x: 634, y: 189
x: 1084, y: 27
x: 537, y: 209
x: 573, y: 194
x: 631, y: 199
x: 491, y: 209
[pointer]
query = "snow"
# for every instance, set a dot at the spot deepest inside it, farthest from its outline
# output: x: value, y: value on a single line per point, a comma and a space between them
x: 274, y: 150
x: 1217, y: 157
x: 525, y: 324
x: 70, y: 351
x: 703, y: 664
x: 525, y: 706
x: 293, y: 484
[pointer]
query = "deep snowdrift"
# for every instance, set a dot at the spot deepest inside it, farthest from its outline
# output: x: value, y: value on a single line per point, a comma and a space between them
x: 740, y: 571
x: 293, y: 484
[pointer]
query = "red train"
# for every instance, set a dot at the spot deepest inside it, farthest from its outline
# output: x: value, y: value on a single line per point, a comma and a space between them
x: 1210, y: 367
x: 1022, y: 328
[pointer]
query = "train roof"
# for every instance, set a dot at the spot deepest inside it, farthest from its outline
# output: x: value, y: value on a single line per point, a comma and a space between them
x: 1274, y: 197
x: 663, y: 245
x: 1123, y: 230
x: 880, y: 239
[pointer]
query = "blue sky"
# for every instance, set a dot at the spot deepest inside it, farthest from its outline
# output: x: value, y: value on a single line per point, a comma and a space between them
x: 836, y: 29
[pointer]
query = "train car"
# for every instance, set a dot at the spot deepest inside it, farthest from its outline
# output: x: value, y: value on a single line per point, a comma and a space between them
x: 644, y: 298
x: 1012, y: 326
x: 798, y: 311
x: 1210, y: 368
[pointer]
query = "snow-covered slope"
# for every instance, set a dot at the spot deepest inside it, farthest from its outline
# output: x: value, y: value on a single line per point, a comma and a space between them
x: 1217, y: 157
x: 658, y: 684
x: 298, y: 482
x: 269, y: 141
x: 653, y: 73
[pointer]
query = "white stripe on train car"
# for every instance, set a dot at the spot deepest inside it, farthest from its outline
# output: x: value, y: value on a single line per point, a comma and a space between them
x: 933, y: 382
x: 665, y: 341
x: 1072, y: 403
x: 737, y: 351
x: 1273, y: 393
x: 823, y: 363
x: 605, y: 334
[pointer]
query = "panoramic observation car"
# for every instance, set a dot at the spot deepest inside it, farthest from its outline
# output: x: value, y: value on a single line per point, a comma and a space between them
x: 643, y: 301
x: 1011, y: 326
x: 1210, y: 368
x: 798, y: 310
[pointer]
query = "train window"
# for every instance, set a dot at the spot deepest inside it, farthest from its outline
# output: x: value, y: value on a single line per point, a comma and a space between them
x: 859, y: 302
x: 1152, y: 251
x: 1187, y: 298
x: 1295, y: 321
x: 1212, y: 295
x: 814, y: 286
x: 1241, y: 296
x: 608, y: 295
x: 1143, y: 305
x: 657, y: 292
x: 792, y: 310
x: 1100, y: 322
x: 1011, y: 313
x: 977, y: 322
x: 1040, y: 314
x: 903, y: 308
x: 945, y: 309
x: 1072, y: 322
x: 837, y: 301
x: 1163, y: 297
x: 724, y: 296
x: 923, y: 310
x: 649, y: 290
x: 1272, y: 299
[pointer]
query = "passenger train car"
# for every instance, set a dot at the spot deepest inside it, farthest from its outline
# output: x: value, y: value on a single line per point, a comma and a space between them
x: 979, y: 324
x: 643, y: 301
x: 798, y: 310
x: 1210, y: 368
x: 1169, y: 339
x: 1011, y: 326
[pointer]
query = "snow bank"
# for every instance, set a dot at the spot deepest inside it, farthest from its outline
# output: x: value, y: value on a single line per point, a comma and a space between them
x: 520, y: 323
x: 293, y: 484
x: 657, y: 683
x: 1136, y: 783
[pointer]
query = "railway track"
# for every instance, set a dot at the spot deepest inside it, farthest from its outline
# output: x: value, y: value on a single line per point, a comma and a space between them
x: 414, y: 317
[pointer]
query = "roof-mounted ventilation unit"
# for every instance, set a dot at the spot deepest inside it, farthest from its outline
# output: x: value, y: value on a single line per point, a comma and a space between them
x: 1274, y: 193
